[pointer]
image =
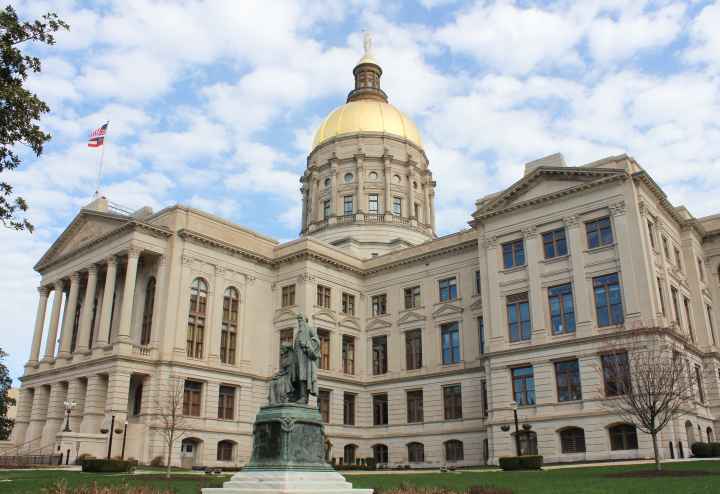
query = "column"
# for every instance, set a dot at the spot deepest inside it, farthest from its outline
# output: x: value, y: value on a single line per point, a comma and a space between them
x: 33, y: 437
x: 22, y: 418
x: 335, y: 200
x: 128, y: 295
x: 426, y: 206
x: 303, y: 220
x: 94, y: 408
x: 387, y: 207
x: 631, y: 287
x: 581, y: 296
x: 54, y: 321
x: 532, y: 251
x: 411, y: 191
x: 69, y: 316
x: 39, y: 325
x: 431, y: 206
x: 103, y: 337
x: 159, y: 305
x: 55, y: 415
x: 215, y: 314
x: 76, y: 393
x: 118, y: 392
x: 361, y: 204
x: 83, y: 344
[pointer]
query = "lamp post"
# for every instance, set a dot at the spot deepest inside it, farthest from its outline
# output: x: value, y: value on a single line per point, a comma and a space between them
x: 122, y: 454
x: 514, y: 407
x: 110, y: 431
x: 69, y: 405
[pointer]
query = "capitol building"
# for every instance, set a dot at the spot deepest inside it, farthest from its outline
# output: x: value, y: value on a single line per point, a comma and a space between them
x: 428, y: 344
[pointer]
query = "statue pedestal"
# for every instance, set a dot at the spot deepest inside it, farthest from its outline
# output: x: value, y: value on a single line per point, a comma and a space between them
x: 288, y: 456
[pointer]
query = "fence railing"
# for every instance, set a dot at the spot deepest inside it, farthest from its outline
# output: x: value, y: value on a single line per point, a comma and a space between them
x: 26, y: 460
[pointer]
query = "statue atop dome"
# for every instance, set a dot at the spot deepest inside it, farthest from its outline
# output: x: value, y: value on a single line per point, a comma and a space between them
x: 367, y: 43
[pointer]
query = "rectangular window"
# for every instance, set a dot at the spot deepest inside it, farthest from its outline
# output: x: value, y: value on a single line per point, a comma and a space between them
x: 324, y: 337
x: 711, y: 326
x: 380, y: 409
x: 397, y: 206
x: 599, y: 233
x: 413, y: 349
x: 484, y: 397
x: 662, y: 297
x: 651, y: 233
x: 191, y: 398
x: 379, y: 355
x: 691, y: 329
x: 323, y: 400
x: 373, y: 204
x: 676, y: 305
x: 415, y: 406
x: 348, y: 354
x: 348, y: 205
x: 666, y: 248
x: 412, y: 297
x: 481, y: 334
x: 523, y: 383
x: 452, y: 402
x: 349, y: 409
x: 678, y: 259
x: 698, y: 380
x: 518, y: 314
x: 379, y: 304
x: 608, y: 301
x: 450, y: 343
x: 701, y: 270
x: 348, y: 304
x: 567, y: 378
x: 478, y: 283
x: 288, y: 295
x: 562, y: 310
x: 323, y: 296
x: 555, y: 243
x: 616, y: 373
x: 226, y: 403
x: 448, y: 289
x: 326, y: 209
x: 513, y: 254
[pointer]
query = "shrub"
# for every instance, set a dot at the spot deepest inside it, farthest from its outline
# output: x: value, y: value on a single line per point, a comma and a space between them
x: 701, y: 450
x: 106, y: 466
x: 715, y: 449
x: 84, y: 456
x: 158, y: 461
x: 529, y: 462
x: 62, y: 488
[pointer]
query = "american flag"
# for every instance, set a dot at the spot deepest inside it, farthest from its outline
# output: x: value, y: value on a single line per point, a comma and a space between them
x: 97, y: 137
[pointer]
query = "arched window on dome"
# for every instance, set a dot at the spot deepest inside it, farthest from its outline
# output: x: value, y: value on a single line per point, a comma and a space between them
x: 197, y: 314
x: 146, y: 329
x: 228, y: 334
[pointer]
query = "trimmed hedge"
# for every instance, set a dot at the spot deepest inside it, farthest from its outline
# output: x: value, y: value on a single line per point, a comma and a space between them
x: 705, y: 450
x: 107, y: 466
x: 529, y: 462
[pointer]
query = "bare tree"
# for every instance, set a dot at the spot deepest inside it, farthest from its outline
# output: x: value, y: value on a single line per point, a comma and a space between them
x: 647, y: 382
x: 170, y: 417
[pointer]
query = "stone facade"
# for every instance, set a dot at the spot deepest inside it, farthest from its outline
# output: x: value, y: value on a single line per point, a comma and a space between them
x: 419, y: 350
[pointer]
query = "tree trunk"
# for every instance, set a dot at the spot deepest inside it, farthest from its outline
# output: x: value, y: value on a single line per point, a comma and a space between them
x: 169, y: 458
x: 658, y: 465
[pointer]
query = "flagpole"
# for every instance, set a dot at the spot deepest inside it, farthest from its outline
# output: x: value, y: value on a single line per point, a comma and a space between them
x: 100, y: 161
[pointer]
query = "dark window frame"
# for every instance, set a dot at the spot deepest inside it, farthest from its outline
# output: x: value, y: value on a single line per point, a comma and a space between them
x: 514, y: 254
x: 599, y: 233
x: 555, y: 243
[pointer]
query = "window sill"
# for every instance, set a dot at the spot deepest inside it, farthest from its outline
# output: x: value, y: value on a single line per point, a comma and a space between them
x: 453, y: 420
x: 567, y: 334
x: 600, y: 248
x: 551, y: 260
x: 612, y: 326
x: 449, y: 301
x: 513, y: 269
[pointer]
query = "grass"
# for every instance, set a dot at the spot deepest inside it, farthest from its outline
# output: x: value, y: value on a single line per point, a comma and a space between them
x: 589, y: 480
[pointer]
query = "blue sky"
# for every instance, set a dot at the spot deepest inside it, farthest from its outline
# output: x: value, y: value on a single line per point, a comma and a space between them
x: 214, y: 104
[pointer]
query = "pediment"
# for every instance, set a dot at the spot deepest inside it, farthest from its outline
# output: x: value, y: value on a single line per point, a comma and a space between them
x: 411, y: 317
x: 85, y: 228
x: 447, y: 310
x: 351, y: 323
x: 325, y: 316
x: 282, y: 315
x: 378, y: 324
x: 547, y: 184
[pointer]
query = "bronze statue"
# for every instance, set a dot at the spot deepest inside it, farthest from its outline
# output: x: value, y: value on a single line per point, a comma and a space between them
x: 297, y: 378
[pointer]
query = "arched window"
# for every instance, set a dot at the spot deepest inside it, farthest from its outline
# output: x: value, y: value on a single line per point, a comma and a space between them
x: 416, y: 453
x: 528, y: 443
x: 454, y: 450
x: 148, y: 312
x: 380, y: 453
x: 710, y: 435
x: 690, y: 432
x: 225, y: 450
x: 623, y: 436
x: 196, y: 318
x: 228, y: 335
x: 349, y: 454
x: 572, y: 440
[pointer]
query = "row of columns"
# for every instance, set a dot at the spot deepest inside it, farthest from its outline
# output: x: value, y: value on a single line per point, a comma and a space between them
x: 68, y: 319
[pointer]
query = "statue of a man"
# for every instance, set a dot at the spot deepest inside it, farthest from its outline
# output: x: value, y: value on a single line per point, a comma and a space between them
x: 307, y: 355
x: 281, y: 388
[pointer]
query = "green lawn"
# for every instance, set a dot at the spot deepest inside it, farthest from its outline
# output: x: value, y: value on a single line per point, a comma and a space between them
x: 591, y: 480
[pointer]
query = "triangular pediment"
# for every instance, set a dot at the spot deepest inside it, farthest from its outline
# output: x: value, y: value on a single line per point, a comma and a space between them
x: 325, y: 316
x: 378, y: 324
x: 411, y: 317
x: 447, y: 310
x: 85, y: 228
x: 283, y: 315
x: 350, y: 323
x: 548, y: 183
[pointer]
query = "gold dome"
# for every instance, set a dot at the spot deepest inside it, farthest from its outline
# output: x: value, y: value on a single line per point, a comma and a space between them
x: 367, y: 116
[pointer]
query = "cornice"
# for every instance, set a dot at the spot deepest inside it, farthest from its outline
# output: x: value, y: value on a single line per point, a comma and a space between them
x: 200, y: 238
x: 455, y: 248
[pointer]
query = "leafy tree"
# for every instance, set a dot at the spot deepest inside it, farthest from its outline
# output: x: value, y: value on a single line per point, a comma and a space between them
x: 6, y: 424
x: 20, y: 109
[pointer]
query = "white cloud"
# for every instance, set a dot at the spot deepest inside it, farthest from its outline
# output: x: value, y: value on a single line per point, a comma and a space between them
x: 705, y: 37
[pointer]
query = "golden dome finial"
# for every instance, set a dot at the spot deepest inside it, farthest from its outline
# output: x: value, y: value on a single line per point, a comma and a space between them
x: 367, y: 75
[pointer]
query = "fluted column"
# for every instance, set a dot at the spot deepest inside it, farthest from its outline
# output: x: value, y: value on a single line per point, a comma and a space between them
x: 83, y: 344
x: 107, y: 303
x: 55, y: 415
x: 54, y: 321
x: 94, y: 409
x: 69, y: 316
x: 39, y: 325
x: 128, y: 295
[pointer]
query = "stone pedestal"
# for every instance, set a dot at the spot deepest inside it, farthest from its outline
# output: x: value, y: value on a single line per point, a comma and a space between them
x: 288, y: 456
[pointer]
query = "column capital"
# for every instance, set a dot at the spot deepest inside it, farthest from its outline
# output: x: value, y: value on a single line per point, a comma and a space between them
x: 58, y: 285
x: 618, y: 208
x: 133, y: 252
x: 111, y: 260
x: 75, y: 277
x: 162, y: 259
x: 571, y: 221
x: 92, y: 270
x: 43, y: 290
x: 530, y: 232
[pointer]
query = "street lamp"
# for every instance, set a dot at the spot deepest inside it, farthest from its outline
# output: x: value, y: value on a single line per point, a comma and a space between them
x: 69, y: 405
x: 514, y: 407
